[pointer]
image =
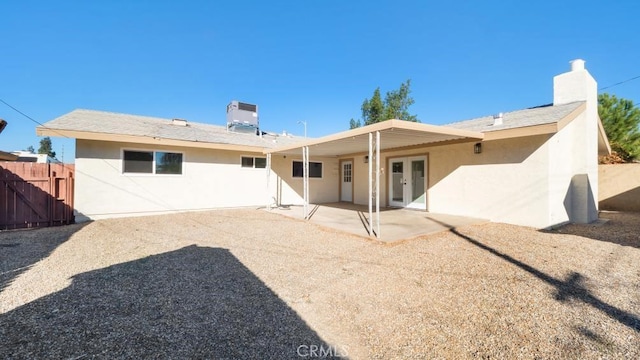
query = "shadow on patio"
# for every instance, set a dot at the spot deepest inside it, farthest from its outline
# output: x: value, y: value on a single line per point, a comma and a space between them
x: 395, y: 224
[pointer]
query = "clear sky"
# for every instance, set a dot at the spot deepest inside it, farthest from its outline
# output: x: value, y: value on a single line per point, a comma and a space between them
x: 314, y: 61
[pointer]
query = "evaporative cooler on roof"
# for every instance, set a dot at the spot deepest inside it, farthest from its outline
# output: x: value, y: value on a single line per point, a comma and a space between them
x: 242, y: 116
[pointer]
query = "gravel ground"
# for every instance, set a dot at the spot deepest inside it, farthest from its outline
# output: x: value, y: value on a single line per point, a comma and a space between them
x: 250, y: 284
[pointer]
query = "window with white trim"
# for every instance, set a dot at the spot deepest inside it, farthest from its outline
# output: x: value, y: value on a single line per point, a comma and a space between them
x: 315, y: 169
x: 253, y: 162
x: 151, y: 162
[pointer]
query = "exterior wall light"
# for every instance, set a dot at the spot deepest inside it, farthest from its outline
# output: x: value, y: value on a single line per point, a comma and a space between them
x: 477, y: 148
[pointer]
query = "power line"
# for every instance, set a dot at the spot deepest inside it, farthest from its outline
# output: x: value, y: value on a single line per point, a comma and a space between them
x: 620, y: 83
x: 21, y: 113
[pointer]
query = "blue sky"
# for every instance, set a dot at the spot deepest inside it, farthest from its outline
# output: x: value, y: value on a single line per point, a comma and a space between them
x: 307, y: 60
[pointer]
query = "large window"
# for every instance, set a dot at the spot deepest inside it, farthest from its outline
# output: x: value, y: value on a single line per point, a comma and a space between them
x: 315, y: 169
x: 151, y: 162
x: 253, y: 162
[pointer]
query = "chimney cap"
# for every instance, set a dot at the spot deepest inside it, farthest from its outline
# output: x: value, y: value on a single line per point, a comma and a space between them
x: 577, y: 64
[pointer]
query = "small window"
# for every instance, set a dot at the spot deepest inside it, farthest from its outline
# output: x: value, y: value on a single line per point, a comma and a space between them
x: 315, y: 169
x: 149, y: 162
x: 168, y: 163
x: 253, y: 162
x: 261, y: 163
x: 140, y: 162
x: 247, y: 162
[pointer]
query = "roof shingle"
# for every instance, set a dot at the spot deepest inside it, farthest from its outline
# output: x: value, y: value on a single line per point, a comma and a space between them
x: 145, y: 126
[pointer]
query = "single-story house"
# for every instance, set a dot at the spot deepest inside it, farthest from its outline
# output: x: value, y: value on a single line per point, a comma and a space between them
x: 535, y: 167
x: 5, y: 156
x: 28, y: 156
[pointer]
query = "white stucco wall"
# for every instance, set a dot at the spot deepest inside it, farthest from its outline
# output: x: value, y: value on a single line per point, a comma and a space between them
x: 574, y: 160
x: 211, y: 179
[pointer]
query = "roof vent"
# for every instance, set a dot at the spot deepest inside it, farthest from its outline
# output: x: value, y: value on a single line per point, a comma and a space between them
x: 497, y: 119
x: 179, y: 122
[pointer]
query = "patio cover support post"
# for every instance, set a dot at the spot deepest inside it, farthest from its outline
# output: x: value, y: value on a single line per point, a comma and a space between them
x: 378, y: 184
x: 370, y: 184
x: 306, y: 171
x: 268, y: 179
x: 305, y: 181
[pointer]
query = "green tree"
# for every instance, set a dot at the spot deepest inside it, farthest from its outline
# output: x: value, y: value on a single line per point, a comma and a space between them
x: 395, y: 106
x: 621, y: 121
x: 397, y: 103
x: 373, y: 110
x: 46, y: 147
x: 31, y: 149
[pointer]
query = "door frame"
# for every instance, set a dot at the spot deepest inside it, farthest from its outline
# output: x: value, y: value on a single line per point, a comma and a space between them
x: 353, y: 165
x: 406, y: 163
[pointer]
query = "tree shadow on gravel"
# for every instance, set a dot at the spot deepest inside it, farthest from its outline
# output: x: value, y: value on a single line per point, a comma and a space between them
x: 21, y: 249
x: 195, y: 302
x: 571, y: 288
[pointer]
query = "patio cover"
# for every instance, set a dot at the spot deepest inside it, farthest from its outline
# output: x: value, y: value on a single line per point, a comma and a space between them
x: 371, y: 139
x: 395, y: 134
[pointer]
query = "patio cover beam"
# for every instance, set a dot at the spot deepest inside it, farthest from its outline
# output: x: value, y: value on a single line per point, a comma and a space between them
x: 398, y: 134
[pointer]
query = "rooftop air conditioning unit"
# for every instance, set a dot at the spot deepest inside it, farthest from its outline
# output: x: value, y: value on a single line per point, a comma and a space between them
x: 242, y: 116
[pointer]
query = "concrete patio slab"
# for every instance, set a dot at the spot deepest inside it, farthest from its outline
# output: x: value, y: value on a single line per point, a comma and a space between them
x: 395, y: 224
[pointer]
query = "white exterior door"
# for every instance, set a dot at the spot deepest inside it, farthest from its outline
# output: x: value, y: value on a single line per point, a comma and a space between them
x: 346, y: 188
x: 407, y: 180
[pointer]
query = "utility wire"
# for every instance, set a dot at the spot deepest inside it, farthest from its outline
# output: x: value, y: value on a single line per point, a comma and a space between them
x: 161, y: 201
x: 620, y: 83
x: 21, y: 113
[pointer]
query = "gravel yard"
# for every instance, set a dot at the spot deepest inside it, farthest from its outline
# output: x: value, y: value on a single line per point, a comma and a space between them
x: 251, y: 284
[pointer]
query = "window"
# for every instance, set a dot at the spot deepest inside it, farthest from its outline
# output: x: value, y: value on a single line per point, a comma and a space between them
x: 261, y: 163
x: 140, y: 162
x: 150, y: 162
x: 346, y: 172
x: 247, y: 162
x: 168, y: 163
x: 253, y: 162
x: 315, y: 169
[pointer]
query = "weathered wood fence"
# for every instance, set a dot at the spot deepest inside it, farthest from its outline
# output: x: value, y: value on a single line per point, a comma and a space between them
x: 35, y: 195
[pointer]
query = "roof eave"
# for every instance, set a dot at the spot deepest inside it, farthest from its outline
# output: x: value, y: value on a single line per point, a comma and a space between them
x: 99, y: 136
x: 5, y: 156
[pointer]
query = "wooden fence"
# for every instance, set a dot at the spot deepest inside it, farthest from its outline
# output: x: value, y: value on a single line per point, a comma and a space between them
x: 35, y: 195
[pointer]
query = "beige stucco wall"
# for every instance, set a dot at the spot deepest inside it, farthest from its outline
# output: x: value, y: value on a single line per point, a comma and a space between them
x: 288, y: 190
x: 533, y: 181
x: 620, y: 187
x: 507, y: 182
x: 211, y: 179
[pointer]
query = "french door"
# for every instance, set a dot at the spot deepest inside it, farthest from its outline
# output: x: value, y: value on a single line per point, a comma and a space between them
x: 407, y: 182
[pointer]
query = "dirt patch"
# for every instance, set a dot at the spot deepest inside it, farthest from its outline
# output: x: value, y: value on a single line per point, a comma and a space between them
x: 250, y: 284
